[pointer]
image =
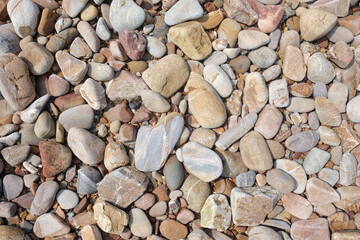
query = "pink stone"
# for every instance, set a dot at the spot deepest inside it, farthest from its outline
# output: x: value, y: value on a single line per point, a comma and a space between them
x: 134, y: 43
x: 312, y: 229
x: 269, y: 15
x: 297, y: 205
x: 57, y: 86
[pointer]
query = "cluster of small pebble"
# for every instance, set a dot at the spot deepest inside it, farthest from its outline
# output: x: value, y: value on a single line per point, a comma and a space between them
x: 180, y: 119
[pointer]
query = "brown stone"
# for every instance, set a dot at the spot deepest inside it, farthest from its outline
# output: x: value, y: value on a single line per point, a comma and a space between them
x: 3, y: 12
x: 338, y: 221
x: 224, y: 186
x: 351, y: 22
x: 312, y: 229
x: 348, y: 138
x: 134, y: 43
x: 172, y: 229
x: 68, y: 101
x: 211, y: 20
x: 120, y: 112
x: 297, y: 205
x: 300, y: 90
x: 47, y: 22
x: 327, y: 112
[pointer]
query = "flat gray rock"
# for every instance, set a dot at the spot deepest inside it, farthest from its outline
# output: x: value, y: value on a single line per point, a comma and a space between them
x: 88, y: 177
x: 302, y: 141
x: 315, y: 160
x: 44, y: 198
x: 183, y: 11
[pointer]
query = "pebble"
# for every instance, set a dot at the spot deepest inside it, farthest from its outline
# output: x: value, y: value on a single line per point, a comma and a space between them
x: 320, y: 193
x: 341, y: 54
x: 278, y: 92
x: 147, y: 149
x: 115, y: 156
x: 81, y: 116
x: 348, y: 169
x: 94, y: 94
x: 37, y: 57
x: 12, y: 185
x: 216, y: 213
x: 246, y: 179
x: 89, y: 12
x: 327, y: 112
x: 229, y: 30
x: 122, y: 186
x: 12, y: 232
x: 320, y: 69
x: 269, y: 121
x: 44, y: 198
x: 133, y: 43
x: 146, y: 201
x: 312, y: 228
x: 62, y: 23
x: 174, y: 173
x: 31, y: 113
x: 191, y: 38
x: 67, y: 199
x: 73, y: 69
x: 57, y: 86
x: 218, y: 78
x: 294, y: 66
x: 302, y: 141
x: 139, y: 224
x: 88, y: 177
x: 316, y: 23
x: 263, y: 57
x: 155, y: 47
x: 159, y: 209
x: 280, y: 180
x: 338, y: 8
x: 89, y: 35
x: 296, y: 171
x: 241, y: 12
x: 8, y: 129
x: 182, y: 11
x: 352, y: 109
x: 202, y: 94
x: 338, y: 95
x: 185, y: 216
x: 315, y: 161
x: 270, y: 17
x: 80, y: 49
x: 167, y: 75
x: 62, y: 39
x: 195, y: 192
x: 90, y: 232
x: 251, y: 205
x: 21, y: 94
x: 44, y: 126
x: 126, y: 15
x: 252, y: 39
x: 297, y: 205
x: 154, y: 102
x: 172, y: 229
x: 262, y: 160
x: 202, y: 162
x: 271, y: 73
x: 262, y: 232
x: 102, y: 30
x: 50, y: 225
x: 86, y: 146
x: 340, y: 34
x: 24, y: 24
x: 55, y: 158
x: 73, y: 8
x: 328, y: 175
x: 256, y: 93
x: 7, y: 209
x: 100, y: 72
x: 329, y: 136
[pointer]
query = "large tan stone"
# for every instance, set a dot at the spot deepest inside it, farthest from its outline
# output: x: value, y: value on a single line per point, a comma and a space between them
x: 256, y: 93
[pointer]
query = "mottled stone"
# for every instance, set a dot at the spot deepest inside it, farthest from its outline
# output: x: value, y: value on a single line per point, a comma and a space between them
x: 296, y: 171
x: 252, y: 39
x: 216, y: 213
x: 44, y: 198
x: 50, y: 225
x: 320, y: 193
x: 302, y: 141
x: 269, y: 121
x: 294, y: 66
x: 195, y: 192
x: 317, y: 228
x: 315, y: 160
x: 327, y: 112
x: 73, y: 69
x: 280, y: 180
x: 297, y: 205
x: 255, y: 92
x: 279, y: 93
x: 241, y: 11
x: 182, y: 11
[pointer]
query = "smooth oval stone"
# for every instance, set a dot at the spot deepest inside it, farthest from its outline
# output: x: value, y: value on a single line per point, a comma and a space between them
x: 24, y: 15
x: 202, y: 162
x: 50, y: 225
x: 37, y: 57
x: 302, y: 141
x: 256, y: 93
x: 167, y: 75
x: 73, y: 7
x: 320, y: 193
x: 86, y: 146
x: 172, y: 229
x: 315, y: 160
x: 182, y: 11
x: 328, y: 175
x: 12, y: 185
x: 7, y: 209
x: 102, y: 30
x: 262, y: 232
x: 154, y: 102
x: 329, y: 136
x: 100, y: 72
x: 280, y: 180
x: 139, y: 223
x: 294, y: 66
x: 320, y: 69
x: 44, y: 198
x: 349, y: 196
x: 352, y: 109
x: 340, y: 34
x: 269, y: 121
x: 348, y: 169
x: 271, y: 73
x: 67, y: 199
x: 327, y: 112
x: 88, y: 177
x: 216, y: 213
x: 218, y: 78
x: 279, y: 93
x: 316, y: 23
x: 126, y: 14
x: 115, y: 156
x: 94, y: 94
x: 62, y: 39
x: 44, y: 126
x: 155, y: 47
x: 270, y: 17
x: 246, y: 179
x: 229, y: 30
x: 288, y: 38
x: 317, y: 228
x: 263, y: 57
x: 201, y: 95
x: 174, y: 173
x: 297, y: 205
x: 81, y: 116
x: 123, y: 186
x: 80, y: 49
x: 205, y: 137
x: 301, y: 105
x: 341, y: 54
x: 338, y: 95
x: 296, y: 171
x: 252, y: 39
x: 192, y: 39
x: 9, y: 42
x: 72, y: 68
x: 195, y: 192
x: 89, y: 35
x: 57, y: 86
x: 260, y: 159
